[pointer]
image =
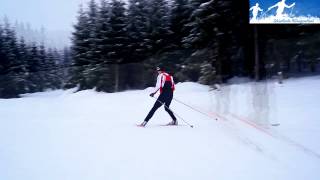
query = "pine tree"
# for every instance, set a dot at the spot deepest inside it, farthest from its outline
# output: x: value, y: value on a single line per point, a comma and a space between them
x: 139, y: 44
x: 13, y: 67
x: 118, y: 32
x: 34, y: 68
x: 11, y: 63
x: 43, y: 68
x: 216, y: 30
x: 3, y: 62
x: 65, y: 66
x: 178, y: 20
x: 58, y: 65
x: 93, y: 51
x: 103, y: 32
x: 92, y: 25
x: 80, y: 47
x: 2, y: 53
x: 23, y: 72
x: 160, y: 36
x: 191, y: 68
x: 24, y: 68
x: 201, y: 24
x: 51, y: 70
x: 159, y: 29
x: 104, y: 44
x: 10, y: 47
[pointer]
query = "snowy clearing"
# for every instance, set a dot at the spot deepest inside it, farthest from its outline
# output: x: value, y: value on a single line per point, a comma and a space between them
x: 61, y: 135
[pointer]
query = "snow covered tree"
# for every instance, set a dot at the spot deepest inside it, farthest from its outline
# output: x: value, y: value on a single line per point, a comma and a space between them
x: 92, y: 25
x: 34, y: 69
x: 43, y: 68
x: 179, y: 18
x: 22, y: 84
x: 102, y: 70
x: 218, y: 28
x: 103, y: 32
x: 201, y: 24
x: 93, y: 53
x: 160, y: 36
x: 80, y: 47
x: 118, y: 32
x: 65, y: 66
x: 159, y: 27
x: 11, y: 63
x: 139, y: 44
x: 4, y: 63
x: 23, y: 68
x: 53, y: 70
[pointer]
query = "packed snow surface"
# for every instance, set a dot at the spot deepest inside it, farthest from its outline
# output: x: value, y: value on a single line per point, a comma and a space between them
x: 286, y: 19
x: 86, y: 135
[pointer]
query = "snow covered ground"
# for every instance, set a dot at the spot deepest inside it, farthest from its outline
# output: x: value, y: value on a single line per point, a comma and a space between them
x: 61, y: 135
x: 286, y: 19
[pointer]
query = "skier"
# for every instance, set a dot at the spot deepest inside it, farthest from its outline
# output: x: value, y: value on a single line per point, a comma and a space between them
x: 255, y: 10
x: 166, y: 86
x: 281, y: 5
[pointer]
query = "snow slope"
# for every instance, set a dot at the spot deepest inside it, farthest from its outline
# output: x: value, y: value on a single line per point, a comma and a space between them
x: 61, y: 135
x: 287, y: 19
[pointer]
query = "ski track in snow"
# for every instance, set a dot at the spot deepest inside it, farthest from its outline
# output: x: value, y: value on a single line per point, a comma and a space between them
x: 227, y: 122
x: 230, y: 128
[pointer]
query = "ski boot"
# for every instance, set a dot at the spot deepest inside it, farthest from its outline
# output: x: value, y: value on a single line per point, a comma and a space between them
x: 173, y: 123
x: 143, y: 124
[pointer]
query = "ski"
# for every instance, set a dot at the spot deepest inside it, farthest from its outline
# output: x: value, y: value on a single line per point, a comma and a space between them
x: 139, y: 125
x: 167, y: 125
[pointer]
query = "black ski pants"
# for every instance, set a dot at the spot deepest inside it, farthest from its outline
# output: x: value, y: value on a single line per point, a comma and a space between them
x: 164, y: 98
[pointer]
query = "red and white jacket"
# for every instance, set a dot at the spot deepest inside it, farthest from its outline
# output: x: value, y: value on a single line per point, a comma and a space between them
x: 161, y: 79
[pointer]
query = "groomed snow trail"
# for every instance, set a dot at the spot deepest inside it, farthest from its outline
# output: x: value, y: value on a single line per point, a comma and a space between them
x: 87, y: 135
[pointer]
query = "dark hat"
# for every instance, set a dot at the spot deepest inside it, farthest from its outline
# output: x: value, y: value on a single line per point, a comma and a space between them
x: 159, y: 68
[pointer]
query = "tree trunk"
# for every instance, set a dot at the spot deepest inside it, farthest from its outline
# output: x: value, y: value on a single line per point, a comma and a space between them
x: 313, y: 66
x: 116, y: 84
x: 256, y: 53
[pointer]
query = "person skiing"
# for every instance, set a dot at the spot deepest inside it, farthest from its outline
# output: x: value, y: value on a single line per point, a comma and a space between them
x: 166, y: 86
x: 255, y: 10
x: 281, y: 5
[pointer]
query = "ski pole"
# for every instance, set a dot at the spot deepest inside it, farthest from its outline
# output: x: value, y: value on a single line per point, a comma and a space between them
x: 264, y: 14
x: 194, y: 108
x: 174, y: 112
x: 291, y: 11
